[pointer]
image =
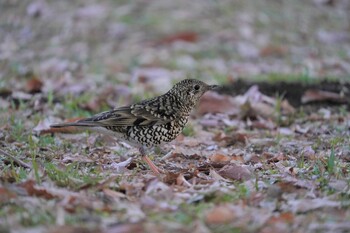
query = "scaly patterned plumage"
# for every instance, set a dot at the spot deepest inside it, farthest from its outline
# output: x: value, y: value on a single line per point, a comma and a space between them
x: 150, y: 122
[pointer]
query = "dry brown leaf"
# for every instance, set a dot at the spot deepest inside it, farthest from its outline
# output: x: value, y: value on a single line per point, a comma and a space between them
x: 319, y: 96
x: 301, y: 130
x: 278, y: 223
x: 218, y: 158
x: 254, y: 104
x: 181, y: 36
x: 282, y: 217
x: 113, y: 194
x: 190, y: 141
x: 213, y: 174
x: 33, y: 85
x: 33, y: 190
x: 273, y: 50
x: 262, y: 123
x: 212, y: 102
x: 180, y: 180
x: 220, y: 136
x: 286, y: 186
x: 235, y: 172
x: 240, y: 137
x: 278, y: 157
x: 6, y: 195
x: 262, y: 109
x: 220, y: 215
x: 69, y: 158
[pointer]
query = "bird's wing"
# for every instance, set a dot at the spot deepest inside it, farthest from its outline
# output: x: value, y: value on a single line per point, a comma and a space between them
x: 148, y: 112
x: 137, y: 114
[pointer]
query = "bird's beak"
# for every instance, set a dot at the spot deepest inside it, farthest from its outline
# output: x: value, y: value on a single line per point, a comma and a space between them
x: 213, y: 87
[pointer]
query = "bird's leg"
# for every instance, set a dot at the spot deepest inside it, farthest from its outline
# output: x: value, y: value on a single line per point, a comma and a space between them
x: 145, y: 158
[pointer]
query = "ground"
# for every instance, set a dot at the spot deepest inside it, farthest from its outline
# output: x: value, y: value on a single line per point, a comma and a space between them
x: 269, y: 152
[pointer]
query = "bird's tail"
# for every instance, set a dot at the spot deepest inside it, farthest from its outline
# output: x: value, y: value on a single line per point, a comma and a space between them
x: 80, y: 123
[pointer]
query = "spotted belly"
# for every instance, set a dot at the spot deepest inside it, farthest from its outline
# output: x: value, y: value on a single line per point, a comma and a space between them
x: 154, y: 135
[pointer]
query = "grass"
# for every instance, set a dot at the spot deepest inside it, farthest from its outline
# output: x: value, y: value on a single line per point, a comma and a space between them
x: 45, y: 156
x: 188, y: 131
x: 119, y: 44
x: 331, y: 162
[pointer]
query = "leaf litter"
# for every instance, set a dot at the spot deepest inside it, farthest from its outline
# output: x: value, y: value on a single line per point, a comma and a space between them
x: 250, y: 162
x: 193, y: 173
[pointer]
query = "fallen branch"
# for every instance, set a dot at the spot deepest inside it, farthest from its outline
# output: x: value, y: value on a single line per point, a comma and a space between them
x: 14, y: 159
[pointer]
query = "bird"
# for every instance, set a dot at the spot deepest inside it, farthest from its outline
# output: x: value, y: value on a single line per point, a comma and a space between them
x: 150, y: 122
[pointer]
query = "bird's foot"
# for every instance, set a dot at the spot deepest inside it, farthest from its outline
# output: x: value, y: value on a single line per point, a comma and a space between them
x: 152, y: 166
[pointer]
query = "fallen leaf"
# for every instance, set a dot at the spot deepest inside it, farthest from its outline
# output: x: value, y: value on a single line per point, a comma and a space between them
x: 235, y: 172
x: 338, y: 185
x: 212, y: 102
x: 34, y: 190
x: 219, y: 215
x: 121, y: 166
x: 6, y: 195
x: 308, y: 153
x: 320, y: 96
x: 301, y: 130
x: 69, y: 158
x: 33, y: 85
x: 305, y: 205
x: 180, y: 36
x: 180, y: 180
x: 213, y: 174
x: 286, y: 217
x: 113, y: 194
x: 273, y: 50
x: 217, y: 158
x: 276, y: 158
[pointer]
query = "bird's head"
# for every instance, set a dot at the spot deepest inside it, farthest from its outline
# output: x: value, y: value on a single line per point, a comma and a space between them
x: 190, y: 90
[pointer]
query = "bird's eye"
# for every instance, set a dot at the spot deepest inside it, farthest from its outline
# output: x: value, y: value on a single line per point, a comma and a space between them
x: 196, y: 87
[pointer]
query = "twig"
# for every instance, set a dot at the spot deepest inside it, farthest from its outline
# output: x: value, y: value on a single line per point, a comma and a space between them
x: 17, y: 161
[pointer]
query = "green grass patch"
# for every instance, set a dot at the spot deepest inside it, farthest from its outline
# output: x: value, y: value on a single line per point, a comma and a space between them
x: 188, y: 130
x: 72, y: 176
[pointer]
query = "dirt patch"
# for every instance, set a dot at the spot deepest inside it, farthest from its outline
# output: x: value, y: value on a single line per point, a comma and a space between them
x: 293, y: 92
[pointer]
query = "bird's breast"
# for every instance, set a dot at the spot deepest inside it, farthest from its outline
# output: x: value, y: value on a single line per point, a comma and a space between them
x: 156, y: 134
